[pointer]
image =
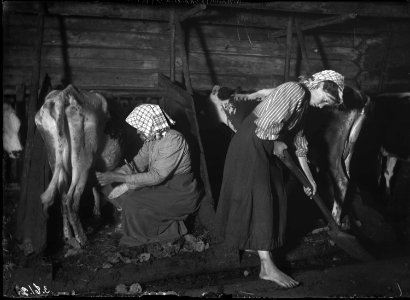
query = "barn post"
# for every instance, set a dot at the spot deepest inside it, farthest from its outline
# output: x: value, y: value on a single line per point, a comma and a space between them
x: 23, y: 211
x: 184, y: 56
x: 302, y: 46
x: 172, y: 45
x: 288, y: 48
x: 35, y: 76
x: 179, y: 102
x: 181, y: 42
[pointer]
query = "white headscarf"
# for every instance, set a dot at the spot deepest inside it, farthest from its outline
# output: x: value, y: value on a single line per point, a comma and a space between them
x: 151, y: 120
x: 313, y: 81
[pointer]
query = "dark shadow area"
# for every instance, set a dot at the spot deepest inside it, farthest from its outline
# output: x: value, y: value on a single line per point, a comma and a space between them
x: 387, y: 124
x: 183, y: 125
x: 55, y: 239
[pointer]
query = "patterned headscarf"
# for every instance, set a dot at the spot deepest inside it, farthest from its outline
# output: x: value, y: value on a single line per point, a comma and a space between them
x: 313, y: 81
x: 151, y: 120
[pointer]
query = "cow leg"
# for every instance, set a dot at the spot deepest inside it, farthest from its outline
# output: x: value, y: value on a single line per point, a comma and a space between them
x: 97, y: 202
x: 66, y: 225
x: 50, y: 121
x: 79, y: 189
x: 75, y: 118
x: 388, y: 172
x: 353, y: 135
x: 339, y: 178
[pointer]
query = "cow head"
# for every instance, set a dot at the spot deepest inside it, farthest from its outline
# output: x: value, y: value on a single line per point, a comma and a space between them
x: 11, y: 127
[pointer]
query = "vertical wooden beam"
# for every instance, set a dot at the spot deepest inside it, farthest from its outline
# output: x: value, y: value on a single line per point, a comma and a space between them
x: 181, y: 42
x: 172, y: 45
x: 288, y: 48
x: 179, y: 103
x: 302, y: 46
x: 35, y: 76
x: 184, y: 56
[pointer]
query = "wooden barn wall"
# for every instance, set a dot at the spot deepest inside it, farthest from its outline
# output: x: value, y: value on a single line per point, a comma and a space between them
x: 127, y: 54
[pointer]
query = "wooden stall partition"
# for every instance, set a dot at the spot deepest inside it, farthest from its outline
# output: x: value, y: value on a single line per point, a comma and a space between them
x: 31, y: 222
x: 179, y: 104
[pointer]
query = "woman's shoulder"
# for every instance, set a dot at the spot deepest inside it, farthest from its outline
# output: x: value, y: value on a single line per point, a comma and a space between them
x: 292, y: 90
x: 173, y: 136
x: 291, y: 85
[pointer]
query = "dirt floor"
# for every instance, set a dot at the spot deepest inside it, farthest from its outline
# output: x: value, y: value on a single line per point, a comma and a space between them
x: 197, y: 266
x: 191, y: 268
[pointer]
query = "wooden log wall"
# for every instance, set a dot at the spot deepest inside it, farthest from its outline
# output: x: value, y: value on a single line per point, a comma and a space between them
x: 121, y: 53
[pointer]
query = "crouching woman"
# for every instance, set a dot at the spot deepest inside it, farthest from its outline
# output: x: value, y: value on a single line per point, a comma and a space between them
x: 161, y: 190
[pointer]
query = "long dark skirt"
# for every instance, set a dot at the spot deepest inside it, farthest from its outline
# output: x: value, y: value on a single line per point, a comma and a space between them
x: 156, y: 214
x: 251, y: 212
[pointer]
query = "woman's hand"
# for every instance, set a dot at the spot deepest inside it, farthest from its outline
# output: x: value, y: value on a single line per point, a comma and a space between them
x: 278, y: 148
x: 105, y: 178
x: 310, y: 192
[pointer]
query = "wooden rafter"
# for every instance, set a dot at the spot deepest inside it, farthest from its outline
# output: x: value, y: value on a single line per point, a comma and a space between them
x: 318, y: 23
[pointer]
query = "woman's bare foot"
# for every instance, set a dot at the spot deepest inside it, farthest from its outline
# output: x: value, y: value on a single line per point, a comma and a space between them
x: 269, y: 271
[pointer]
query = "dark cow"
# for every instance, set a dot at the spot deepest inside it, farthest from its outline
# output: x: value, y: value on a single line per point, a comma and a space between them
x: 72, y: 124
x: 331, y: 133
x: 385, y: 140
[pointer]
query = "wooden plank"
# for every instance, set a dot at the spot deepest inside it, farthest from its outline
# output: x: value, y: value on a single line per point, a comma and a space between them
x: 157, y: 13
x: 12, y: 53
x: 22, y: 55
x: 90, y: 39
x: 395, y: 9
x: 235, y: 64
x: 318, y: 24
x: 206, y: 211
x: 172, y: 44
x: 363, y: 26
x: 117, y: 41
x: 32, y: 107
x: 113, y: 78
x: 223, y: 65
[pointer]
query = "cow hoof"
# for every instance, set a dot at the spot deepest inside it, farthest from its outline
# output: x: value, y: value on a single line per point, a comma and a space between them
x: 74, y: 243
x: 81, y: 240
x: 97, y: 211
x: 345, y: 224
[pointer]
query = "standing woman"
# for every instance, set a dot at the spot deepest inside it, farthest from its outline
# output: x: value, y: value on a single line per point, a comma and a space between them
x: 252, y: 207
x: 162, y: 189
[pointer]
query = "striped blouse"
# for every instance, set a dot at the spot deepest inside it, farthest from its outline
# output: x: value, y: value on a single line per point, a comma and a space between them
x: 278, y: 107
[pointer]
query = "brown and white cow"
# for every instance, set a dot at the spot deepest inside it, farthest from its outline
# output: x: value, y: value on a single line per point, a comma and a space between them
x: 72, y: 124
x: 331, y: 133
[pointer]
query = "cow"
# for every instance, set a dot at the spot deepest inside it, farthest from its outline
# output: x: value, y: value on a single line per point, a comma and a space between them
x: 392, y: 130
x: 72, y: 124
x: 11, y: 126
x: 388, y: 162
x: 331, y: 133
x: 384, y: 143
